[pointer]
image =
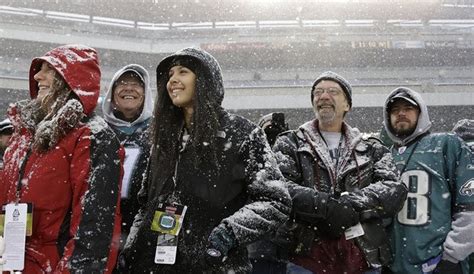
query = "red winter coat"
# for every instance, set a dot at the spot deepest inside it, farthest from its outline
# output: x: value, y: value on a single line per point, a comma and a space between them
x: 75, y: 185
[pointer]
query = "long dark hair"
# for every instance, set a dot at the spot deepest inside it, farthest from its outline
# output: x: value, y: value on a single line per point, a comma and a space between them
x: 168, y: 124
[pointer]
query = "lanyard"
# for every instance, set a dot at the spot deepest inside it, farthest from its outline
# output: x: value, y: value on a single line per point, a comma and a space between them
x: 22, y: 173
x: 334, y: 173
x: 182, y: 146
x: 402, y: 169
x: 339, y: 146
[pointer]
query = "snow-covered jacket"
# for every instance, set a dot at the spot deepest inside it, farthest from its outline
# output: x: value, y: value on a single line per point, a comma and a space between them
x: 365, y: 170
x: 247, y: 194
x: 74, y: 185
x: 438, y: 216
x: 133, y: 136
x: 465, y: 129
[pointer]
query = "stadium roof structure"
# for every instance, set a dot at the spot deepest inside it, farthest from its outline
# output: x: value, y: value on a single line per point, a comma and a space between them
x: 269, y: 50
x: 163, y: 26
x: 171, y: 11
x: 182, y: 14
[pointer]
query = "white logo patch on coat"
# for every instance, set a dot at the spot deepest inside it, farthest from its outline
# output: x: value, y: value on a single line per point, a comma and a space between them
x: 467, y: 189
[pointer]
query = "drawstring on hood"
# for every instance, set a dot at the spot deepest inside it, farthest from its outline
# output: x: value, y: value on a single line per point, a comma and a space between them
x: 107, y: 104
x: 423, y: 124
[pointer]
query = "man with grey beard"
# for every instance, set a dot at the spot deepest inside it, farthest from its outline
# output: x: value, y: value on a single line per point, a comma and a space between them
x: 342, y: 185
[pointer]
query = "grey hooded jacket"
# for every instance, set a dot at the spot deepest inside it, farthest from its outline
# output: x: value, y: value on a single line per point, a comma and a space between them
x: 134, y: 138
x: 423, y: 125
x: 107, y: 105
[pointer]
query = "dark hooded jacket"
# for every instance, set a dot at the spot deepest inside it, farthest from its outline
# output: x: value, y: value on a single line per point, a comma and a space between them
x: 365, y: 170
x: 74, y: 184
x: 242, y: 189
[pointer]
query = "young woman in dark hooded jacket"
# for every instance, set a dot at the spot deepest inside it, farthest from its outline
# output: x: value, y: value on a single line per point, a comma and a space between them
x: 217, y: 164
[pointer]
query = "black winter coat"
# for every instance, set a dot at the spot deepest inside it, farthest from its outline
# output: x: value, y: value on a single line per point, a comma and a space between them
x: 365, y: 170
x: 247, y: 194
x: 137, y: 140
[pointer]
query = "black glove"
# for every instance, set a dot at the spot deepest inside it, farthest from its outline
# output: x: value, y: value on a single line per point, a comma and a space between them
x: 309, y: 205
x: 447, y: 267
x: 329, y: 215
x: 221, y: 240
x: 339, y: 217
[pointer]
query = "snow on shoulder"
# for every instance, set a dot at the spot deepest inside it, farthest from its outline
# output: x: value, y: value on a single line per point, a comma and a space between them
x: 97, y: 124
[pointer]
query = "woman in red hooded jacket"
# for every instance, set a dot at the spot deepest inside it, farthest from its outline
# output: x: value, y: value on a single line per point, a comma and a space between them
x: 66, y: 162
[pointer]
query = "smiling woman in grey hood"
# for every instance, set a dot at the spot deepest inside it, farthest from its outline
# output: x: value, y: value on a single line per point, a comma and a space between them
x: 109, y: 108
x: 127, y: 108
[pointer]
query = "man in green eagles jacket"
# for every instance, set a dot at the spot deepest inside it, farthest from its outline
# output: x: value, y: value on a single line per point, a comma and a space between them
x: 465, y: 130
x: 433, y: 233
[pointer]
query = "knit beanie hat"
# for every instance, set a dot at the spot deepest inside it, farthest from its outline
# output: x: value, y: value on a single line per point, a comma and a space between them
x: 329, y: 75
x: 465, y: 129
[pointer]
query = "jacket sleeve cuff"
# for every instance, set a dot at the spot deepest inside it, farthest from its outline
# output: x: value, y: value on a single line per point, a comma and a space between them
x: 448, y: 257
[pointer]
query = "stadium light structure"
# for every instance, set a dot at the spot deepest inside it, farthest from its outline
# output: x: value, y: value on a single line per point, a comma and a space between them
x: 251, y: 24
x: 153, y: 26
x: 452, y: 23
x: 359, y: 23
x: 113, y: 22
x: 405, y: 23
x: 20, y: 11
x: 67, y: 16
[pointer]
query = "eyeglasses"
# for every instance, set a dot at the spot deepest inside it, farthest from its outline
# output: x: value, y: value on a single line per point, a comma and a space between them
x: 332, y: 91
x: 129, y: 83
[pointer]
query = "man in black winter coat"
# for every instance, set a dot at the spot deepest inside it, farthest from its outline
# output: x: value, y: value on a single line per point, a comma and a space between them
x: 344, y: 184
x: 264, y: 255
